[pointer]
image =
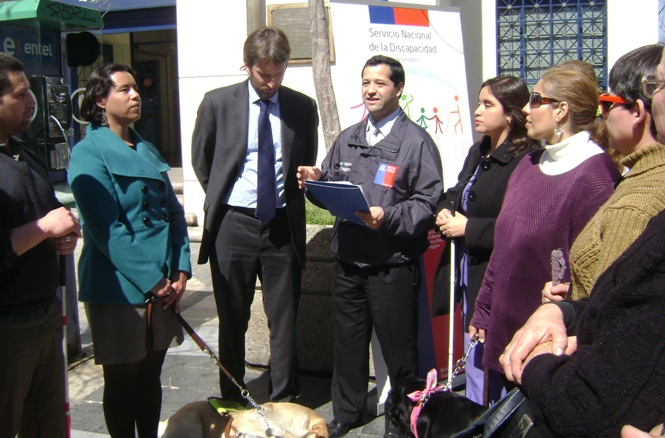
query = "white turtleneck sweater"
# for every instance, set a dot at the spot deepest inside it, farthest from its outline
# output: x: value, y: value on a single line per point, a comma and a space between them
x: 566, y: 155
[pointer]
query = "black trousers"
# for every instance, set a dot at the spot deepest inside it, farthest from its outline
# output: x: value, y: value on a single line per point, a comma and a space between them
x: 244, y: 249
x: 384, y: 298
x: 32, y: 398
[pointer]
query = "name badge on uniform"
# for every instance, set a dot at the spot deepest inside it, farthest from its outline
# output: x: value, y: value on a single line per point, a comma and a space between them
x: 385, y: 176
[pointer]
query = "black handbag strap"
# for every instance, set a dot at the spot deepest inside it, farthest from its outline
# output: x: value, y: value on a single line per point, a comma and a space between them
x: 503, y: 412
x: 491, y: 422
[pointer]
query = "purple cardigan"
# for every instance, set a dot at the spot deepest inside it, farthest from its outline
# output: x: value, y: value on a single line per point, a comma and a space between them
x: 539, y: 213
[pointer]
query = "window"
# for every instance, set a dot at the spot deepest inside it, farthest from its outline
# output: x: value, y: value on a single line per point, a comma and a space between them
x: 536, y: 34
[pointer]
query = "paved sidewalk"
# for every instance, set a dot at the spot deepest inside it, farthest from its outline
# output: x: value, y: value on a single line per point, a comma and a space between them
x: 188, y: 373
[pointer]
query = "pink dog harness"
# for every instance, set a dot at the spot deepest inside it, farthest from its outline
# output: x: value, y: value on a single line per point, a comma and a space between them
x: 421, y: 397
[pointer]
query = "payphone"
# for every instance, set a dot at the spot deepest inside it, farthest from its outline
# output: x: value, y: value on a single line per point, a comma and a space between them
x: 49, y: 130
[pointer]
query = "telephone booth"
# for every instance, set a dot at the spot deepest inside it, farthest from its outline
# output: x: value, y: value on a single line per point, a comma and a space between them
x: 47, y: 36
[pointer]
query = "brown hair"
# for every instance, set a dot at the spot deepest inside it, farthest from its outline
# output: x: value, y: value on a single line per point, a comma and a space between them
x: 580, y: 92
x: 581, y: 66
x: 512, y: 93
x: 99, y: 85
x: 267, y: 43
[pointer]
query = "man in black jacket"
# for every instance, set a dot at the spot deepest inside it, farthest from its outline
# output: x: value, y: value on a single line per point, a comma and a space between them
x: 34, y: 229
x: 376, y: 273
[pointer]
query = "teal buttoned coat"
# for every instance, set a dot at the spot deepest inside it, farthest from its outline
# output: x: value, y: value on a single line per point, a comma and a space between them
x: 134, y: 229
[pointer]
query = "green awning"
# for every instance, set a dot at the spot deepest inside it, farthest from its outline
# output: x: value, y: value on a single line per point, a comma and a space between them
x: 50, y: 15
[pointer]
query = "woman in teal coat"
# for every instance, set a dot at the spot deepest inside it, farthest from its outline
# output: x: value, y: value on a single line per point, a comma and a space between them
x: 135, y: 251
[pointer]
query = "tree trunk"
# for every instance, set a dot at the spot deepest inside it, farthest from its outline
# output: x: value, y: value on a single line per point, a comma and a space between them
x: 321, y: 71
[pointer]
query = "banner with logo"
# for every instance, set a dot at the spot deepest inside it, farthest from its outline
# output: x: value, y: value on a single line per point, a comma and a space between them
x: 428, y: 43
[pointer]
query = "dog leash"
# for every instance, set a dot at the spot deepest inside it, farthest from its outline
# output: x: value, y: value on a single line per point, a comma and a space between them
x: 461, y: 363
x: 213, y: 357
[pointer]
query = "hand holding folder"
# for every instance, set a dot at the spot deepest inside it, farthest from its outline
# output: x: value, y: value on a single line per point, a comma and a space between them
x: 341, y: 198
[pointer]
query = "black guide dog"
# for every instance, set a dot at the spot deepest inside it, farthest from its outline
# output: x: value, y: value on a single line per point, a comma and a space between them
x: 443, y: 415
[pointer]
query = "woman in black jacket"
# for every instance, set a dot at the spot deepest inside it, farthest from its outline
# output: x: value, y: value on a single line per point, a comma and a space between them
x: 468, y: 211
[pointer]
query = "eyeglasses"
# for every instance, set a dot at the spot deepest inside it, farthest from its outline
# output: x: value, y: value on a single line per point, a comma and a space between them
x: 606, y: 102
x: 651, y: 85
x: 537, y: 99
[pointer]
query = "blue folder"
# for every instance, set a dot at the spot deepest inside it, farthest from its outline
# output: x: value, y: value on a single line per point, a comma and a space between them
x: 341, y: 198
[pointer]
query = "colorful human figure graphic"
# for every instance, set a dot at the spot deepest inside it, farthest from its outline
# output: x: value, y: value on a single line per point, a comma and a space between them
x: 404, y: 103
x: 422, y: 121
x: 437, y: 121
x: 459, y: 118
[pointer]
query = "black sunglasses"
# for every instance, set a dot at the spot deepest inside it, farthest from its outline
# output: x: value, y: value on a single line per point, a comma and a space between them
x: 537, y: 99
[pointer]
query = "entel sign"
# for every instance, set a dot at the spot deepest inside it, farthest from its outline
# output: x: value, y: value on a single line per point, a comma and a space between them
x: 13, y: 47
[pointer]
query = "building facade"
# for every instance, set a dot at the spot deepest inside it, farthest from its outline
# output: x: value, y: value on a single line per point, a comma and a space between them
x: 210, y: 47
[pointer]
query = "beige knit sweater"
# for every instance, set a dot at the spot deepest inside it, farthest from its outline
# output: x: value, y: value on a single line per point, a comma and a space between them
x: 638, y: 198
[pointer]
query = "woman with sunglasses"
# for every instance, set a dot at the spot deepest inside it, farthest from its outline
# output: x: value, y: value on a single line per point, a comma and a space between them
x: 468, y: 211
x: 641, y: 192
x: 551, y: 196
x: 590, y: 365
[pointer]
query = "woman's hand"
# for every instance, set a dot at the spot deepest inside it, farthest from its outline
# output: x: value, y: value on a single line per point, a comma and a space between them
x: 481, y: 333
x: 163, y: 290
x: 179, y: 284
x: 449, y: 225
x: 554, y: 293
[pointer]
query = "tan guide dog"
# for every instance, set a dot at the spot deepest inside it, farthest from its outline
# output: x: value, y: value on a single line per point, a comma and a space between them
x: 286, y: 420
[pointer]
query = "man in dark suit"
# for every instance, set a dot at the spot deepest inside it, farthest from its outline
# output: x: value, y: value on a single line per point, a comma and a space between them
x: 255, y: 212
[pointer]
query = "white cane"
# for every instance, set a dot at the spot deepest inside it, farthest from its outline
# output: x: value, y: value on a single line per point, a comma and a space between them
x: 63, y: 284
x: 451, y: 313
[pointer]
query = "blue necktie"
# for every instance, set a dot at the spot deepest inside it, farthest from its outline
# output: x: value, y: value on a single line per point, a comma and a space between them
x: 266, y: 192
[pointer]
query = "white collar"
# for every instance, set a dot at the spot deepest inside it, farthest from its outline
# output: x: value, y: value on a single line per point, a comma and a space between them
x: 385, y: 125
x: 254, y: 96
x: 566, y: 155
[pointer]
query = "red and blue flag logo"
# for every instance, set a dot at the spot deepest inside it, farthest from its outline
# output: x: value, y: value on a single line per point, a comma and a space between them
x: 401, y: 16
